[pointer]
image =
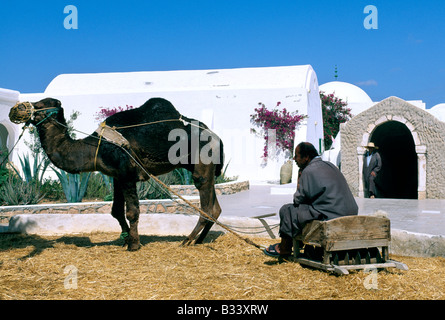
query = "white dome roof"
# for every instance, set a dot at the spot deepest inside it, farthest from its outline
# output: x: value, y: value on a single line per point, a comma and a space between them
x: 438, y: 111
x: 346, y: 91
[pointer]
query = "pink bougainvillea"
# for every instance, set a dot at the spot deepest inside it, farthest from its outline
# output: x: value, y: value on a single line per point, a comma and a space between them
x: 281, y: 121
x: 335, y: 112
x: 104, y: 113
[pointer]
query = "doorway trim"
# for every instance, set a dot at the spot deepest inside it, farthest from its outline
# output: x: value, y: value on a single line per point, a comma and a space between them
x: 420, y: 151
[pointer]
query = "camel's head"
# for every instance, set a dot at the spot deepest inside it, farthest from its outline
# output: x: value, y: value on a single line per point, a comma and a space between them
x: 34, y: 112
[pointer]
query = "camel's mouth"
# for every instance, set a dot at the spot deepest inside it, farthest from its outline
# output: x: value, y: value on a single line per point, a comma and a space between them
x: 22, y: 112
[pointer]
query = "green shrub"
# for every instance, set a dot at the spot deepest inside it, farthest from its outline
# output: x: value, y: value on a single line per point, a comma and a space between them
x: 52, y: 189
x: 15, y: 191
x: 223, y: 178
x: 100, y: 186
x: 150, y: 189
x: 4, y: 173
x: 182, y: 176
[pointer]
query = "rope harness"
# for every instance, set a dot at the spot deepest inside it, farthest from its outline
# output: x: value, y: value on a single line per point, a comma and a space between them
x: 24, y: 113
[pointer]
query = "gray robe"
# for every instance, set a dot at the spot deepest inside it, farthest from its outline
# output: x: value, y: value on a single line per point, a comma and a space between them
x: 322, y: 194
x: 375, y: 165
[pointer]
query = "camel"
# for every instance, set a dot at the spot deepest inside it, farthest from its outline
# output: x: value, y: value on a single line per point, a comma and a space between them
x: 146, y: 129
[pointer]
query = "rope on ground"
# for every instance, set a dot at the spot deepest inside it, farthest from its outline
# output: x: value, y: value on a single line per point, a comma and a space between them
x: 202, y: 213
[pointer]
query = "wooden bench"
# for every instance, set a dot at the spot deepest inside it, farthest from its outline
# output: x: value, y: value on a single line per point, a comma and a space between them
x: 346, y: 243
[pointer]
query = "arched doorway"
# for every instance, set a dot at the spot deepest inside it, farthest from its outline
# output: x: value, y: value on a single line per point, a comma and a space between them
x: 398, y: 177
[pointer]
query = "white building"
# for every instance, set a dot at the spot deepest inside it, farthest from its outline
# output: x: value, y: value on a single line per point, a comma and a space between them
x: 356, y: 98
x: 9, y: 132
x: 438, y: 111
x: 359, y: 101
x: 223, y: 99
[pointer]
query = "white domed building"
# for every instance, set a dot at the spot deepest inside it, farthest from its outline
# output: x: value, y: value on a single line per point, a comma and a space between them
x: 356, y: 98
x: 438, y: 111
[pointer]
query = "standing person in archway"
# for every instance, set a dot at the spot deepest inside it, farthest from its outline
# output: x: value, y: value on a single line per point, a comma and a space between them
x: 371, y: 166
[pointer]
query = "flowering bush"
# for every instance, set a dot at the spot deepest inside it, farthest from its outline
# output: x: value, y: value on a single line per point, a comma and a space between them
x: 334, y: 113
x: 281, y: 122
x: 107, y: 112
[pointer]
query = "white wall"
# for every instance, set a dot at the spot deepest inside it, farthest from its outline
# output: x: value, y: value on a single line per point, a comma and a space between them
x: 224, y: 104
x: 8, y: 99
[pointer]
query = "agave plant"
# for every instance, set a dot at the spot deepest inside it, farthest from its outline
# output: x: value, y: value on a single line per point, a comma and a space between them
x: 74, y: 185
x: 34, y: 173
x: 185, y: 176
x: 15, y: 191
x: 223, y: 177
x: 152, y: 190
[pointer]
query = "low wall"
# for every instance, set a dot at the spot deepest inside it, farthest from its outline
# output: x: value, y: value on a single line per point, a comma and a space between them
x: 417, y: 244
x: 189, y: 192
x: 146, y: 206
x: 149, y: 224
x: 220, y: 189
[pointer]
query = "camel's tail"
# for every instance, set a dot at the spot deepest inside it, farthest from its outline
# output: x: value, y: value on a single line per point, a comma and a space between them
x: 220, y: 165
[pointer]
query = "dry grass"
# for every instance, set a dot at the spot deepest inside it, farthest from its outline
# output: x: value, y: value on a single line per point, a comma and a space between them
x: 32, y: 267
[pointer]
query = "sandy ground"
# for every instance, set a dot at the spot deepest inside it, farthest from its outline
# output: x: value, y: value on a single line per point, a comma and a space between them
x: 96, y: 266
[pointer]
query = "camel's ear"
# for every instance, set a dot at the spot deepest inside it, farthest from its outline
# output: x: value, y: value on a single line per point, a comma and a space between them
x: 58, y: 104
x: 48, y: 103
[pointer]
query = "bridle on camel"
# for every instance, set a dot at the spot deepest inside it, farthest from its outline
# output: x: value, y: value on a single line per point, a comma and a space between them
x: 28, y: 114
x: 18, y: 116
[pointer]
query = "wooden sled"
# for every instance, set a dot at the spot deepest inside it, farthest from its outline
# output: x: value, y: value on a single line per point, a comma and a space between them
x: 346, y: 243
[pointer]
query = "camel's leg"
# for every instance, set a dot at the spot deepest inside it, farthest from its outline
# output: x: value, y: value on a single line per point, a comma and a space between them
x: 132, y: 213
x: 204, y: 179
x: 118, y: 209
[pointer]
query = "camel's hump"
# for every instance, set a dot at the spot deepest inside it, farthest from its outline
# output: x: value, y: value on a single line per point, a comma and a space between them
x: 159, y: 105
x: 154, y: 109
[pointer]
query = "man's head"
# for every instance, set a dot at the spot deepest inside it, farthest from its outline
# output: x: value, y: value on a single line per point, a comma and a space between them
x: 304, y: 153
x: 371, y: 147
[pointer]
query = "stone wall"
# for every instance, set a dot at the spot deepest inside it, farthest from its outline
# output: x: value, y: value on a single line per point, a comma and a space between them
x: 428, y: 134
x: 220, y: 189
x: 104, y: 207
x: 190, y: 193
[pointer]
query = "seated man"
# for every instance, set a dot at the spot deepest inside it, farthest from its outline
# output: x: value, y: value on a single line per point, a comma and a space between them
x: 322, y: 194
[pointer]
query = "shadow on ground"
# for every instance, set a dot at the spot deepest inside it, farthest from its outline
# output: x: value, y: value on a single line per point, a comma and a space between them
x: 10, y: 241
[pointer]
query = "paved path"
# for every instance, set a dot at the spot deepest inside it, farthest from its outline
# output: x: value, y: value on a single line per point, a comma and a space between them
x: 417, y: 227
x: 420, y: 216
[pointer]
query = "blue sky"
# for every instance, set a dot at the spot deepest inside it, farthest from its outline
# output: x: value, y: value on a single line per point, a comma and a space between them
x: 404, y: 57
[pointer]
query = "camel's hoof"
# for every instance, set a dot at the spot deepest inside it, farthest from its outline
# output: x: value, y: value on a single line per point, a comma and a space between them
x: 187, y: 242
x: 134, y: 247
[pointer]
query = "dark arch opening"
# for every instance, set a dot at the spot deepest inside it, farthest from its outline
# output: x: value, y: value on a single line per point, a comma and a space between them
x: 398, y: 178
